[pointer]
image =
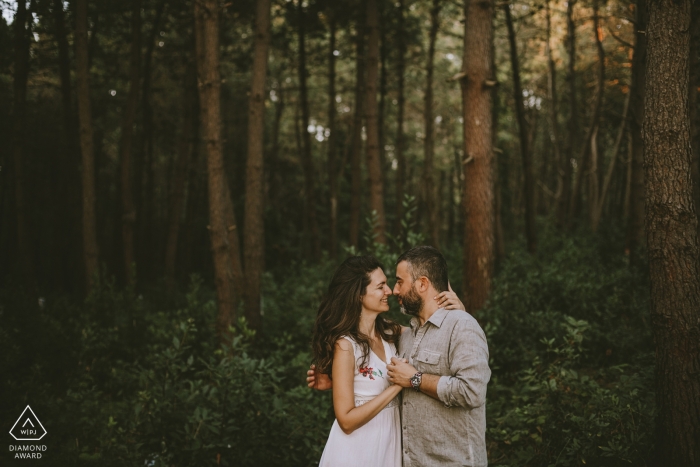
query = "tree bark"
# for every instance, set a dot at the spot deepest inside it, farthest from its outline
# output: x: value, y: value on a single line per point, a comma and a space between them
x: 672, y: 236
x: 429, y: 122
x: 694, y: 102
x: 478, y: 200
x: 401, y: 106
x: 636, y: 232
x: 125, y: 153
x: 307, y: 161
x: 332, y: 169
x: 356, y: 142
x: 254, y: 233
x: 374, y: 170
x: 564, y: 200
x: 528, y: 185
x: 21, y: 24
x: 82, y: 87
x: 207, y: 29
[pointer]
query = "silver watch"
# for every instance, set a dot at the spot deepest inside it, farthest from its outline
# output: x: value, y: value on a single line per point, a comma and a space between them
x: 416, y: 380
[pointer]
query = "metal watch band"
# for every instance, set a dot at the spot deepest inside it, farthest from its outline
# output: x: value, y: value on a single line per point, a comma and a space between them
x: 416, y: 380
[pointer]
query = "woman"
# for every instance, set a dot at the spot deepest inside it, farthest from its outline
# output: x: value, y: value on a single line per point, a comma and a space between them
x: 352, y: 343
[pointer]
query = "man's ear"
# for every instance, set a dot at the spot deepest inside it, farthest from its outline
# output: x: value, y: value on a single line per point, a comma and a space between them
x: 423, y: 284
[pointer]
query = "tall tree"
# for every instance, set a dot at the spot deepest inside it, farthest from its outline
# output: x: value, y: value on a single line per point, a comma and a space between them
x: 254, y: 228
x: 307, y: 161
x: 672, y: 235
x: 525, y: 154
x: 22, y: 28
x: 584, y: 158
x: 186, y: 148
x: 694, y: 89
x: 553, y: 107
x: 356, y: 141
x: 128, y: 217
x: 572, y: 125
x: 478, y: 200
x: 635, y: 232
x: 431, y: 208
x: 207, y: 14
x: 401, y: 106
x: 82, y: 88
x: 332, y: 138
x: 374, y: 169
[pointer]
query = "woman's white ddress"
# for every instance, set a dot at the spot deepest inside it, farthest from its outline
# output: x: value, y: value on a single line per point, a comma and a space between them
x: 378, y: 442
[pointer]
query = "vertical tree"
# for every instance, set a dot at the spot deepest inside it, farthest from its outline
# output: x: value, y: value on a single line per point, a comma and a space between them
x: 572, y: 125
x: 401, y: 105
x: 254, y: 229
x: 82, y: 87
x: 584, y: 159
x: 374, y: 169
x: 478, y: 200
x: 332, y: 138
x: 553, y: 106
x: 307, y: 161
x: 207, y: 31
x: 672, y: 236
x: 182, y: 168
x: 525, y: 154
x: 22, y: 26
x: 694, y: 102
x: 635, y: 233
x: 128, y: 217
x: 356, y: 141
x: 429, y: 122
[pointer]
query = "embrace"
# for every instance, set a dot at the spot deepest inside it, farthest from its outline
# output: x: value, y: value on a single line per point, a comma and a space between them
x: 439, y: 366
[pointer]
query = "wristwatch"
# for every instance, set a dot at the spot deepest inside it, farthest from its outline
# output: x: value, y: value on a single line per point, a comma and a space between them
x: 416, y: 380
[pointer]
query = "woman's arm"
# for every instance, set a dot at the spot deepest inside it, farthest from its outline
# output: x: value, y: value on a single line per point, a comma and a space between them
x: 350, y: 418
x: 449, y: 300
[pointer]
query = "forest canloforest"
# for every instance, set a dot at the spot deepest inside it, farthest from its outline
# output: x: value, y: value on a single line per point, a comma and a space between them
x: 179, y: 180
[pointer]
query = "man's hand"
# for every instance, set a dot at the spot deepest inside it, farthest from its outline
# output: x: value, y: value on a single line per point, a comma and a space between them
x: 400, y: 372
x: 320, y: 382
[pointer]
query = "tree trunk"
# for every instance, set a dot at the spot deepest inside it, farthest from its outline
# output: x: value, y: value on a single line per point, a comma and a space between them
x: 125, y: 153
x: 635, y: 234
x: 207, y: 30
x: 401, y: 106
x: 553, y: 107
x: 564, y: 200
x: 478, y: 200
x: 356, y: 142
x: 254, y: 233
x: 694, y: 102
x: 332, y: 169
x: 67, y: 217
x: 82, y: 88
x: 528, y: 185
x: 307, y: 161
x: 147, y: 167
x: 584, y: 157
x: 182, y: 169
x: 672, y: 236
x: 374, y: 169
x: 429, y: 122
x: 22, y: 23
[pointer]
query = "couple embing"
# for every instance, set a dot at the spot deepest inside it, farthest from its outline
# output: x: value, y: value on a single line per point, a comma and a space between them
x: 439, y: 364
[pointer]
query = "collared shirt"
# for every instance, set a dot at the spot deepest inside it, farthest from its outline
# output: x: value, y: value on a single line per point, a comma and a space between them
x: 451, y: 431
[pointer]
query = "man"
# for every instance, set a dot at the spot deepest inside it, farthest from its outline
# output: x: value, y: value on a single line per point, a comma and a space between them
x: 443, y: 368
